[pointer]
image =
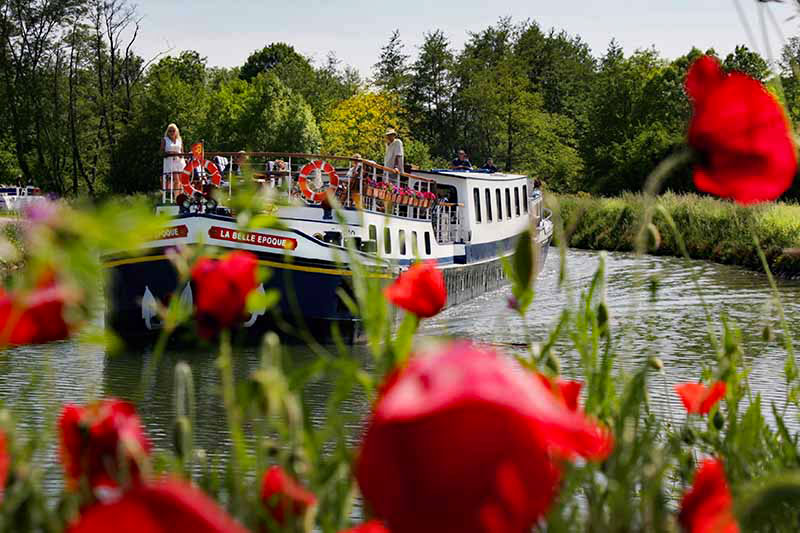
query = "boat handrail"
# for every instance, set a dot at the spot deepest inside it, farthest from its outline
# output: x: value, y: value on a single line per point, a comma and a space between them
x: 299, y: 155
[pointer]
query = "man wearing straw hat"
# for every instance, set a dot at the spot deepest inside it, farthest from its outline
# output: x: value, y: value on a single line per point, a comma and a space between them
x: 394, y: 152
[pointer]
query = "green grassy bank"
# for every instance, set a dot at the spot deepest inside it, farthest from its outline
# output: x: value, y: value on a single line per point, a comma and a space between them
x: 712, y: 229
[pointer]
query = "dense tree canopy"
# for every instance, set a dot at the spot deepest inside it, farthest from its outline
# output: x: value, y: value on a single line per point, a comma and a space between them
x: 83, y: 113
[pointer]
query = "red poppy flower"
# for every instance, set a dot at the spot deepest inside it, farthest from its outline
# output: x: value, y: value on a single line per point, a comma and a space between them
x: 33, y: 317
x: 95, y: 436
x: 373, y: 526
x: 566, y: 391
x: 221, y: 289
x: 741, y: 134
x: 463, y: 440
x: 4, y: 464
x: 169, y: 506
x: 283, y: 496
x: 707, y: 507
x: 699, y: 399
x: 419, y: 290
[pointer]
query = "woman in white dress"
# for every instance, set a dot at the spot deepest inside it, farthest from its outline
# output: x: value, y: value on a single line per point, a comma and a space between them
x: 172, y: 144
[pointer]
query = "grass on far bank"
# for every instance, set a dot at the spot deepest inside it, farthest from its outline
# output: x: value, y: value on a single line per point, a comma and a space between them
x: 712, y: 229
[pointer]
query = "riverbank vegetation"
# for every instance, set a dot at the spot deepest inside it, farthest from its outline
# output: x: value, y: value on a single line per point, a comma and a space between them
x: 81, y: 112
x: 709, y: 228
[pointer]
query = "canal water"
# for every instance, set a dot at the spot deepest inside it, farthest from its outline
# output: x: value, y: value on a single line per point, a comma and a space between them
x: 36, y: 380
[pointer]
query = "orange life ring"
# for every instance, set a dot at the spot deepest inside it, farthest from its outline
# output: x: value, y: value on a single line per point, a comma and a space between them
x: 188, y: 173
x: 302, y: 180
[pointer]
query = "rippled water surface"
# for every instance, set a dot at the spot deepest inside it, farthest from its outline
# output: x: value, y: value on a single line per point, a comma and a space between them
x: 35, y: 381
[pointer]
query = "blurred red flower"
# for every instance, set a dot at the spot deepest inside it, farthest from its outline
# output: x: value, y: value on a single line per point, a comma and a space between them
x: 699, y: 399
x: 741, y: 134
x: 707, y: 507
x: 463, y: 440
x: 565, y: 391
x: 95, y: 436
x: 419, y: 290
x: 169, y: 506
x: 33, y: 317
x: 373, y: 526
x: 4, y: 464
x: 283, y: 496
x: 221, y: 287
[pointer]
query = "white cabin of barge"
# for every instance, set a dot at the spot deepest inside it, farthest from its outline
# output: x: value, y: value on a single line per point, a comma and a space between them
x: 475, y: 215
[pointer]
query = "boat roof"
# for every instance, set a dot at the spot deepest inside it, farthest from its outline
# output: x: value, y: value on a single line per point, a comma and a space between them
x: 476, y: 173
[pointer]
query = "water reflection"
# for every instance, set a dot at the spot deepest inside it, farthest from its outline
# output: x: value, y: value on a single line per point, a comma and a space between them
x: 35, y: 381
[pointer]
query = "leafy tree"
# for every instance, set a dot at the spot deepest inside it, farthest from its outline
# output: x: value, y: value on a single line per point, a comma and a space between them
x: 390, y: 73
x: 742, y: 59
x: 280, y: 59
x: 430, y: 93
x: 560, y: 67
x: 320, y: 87
x: 266, y: 116
x: 33, y: 90
x: 357, y: 125
x: 520, y: 134
x: 189, y: 67
x: 638, y: 115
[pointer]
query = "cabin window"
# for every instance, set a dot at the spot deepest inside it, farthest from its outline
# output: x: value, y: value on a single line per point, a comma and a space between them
x: 488, y: 205
x: 387, y: 241
x: 373, y: 232
x: 516, y: 200
x: 414, y: 244
x: 525, y: 198
x: 401, y: 236
x: 428, y: 241
x: 508, y: 202
x: 477, y: 194
x: 499, y: 204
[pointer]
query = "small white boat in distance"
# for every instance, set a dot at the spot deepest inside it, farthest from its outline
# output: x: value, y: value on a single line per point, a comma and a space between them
x: 15, y: 199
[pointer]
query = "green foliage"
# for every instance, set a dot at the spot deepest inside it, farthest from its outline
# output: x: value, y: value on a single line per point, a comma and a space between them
x: 742, y: 59
x: 86, y: 115
x: 711, y: 229
x: 358, y: 124
x: 391, y: 71
x: 320, y: 87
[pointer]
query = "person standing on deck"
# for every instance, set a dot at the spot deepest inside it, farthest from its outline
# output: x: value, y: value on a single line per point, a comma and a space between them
x: 394, y: 157
x: 172, y: 144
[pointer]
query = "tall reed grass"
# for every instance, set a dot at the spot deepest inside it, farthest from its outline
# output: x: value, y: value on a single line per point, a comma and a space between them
x: 712, y: 229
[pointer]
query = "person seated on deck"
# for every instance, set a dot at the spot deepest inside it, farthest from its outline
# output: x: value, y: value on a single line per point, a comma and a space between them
x: 394, y: 157
x: 221, y: 162
x: 353, y: 176
x: 238, y: 161
x: 489, y: 166
x: 461, y: 162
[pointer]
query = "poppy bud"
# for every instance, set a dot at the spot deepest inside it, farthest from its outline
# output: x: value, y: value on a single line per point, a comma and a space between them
x: 719, y: 420
x: 602, y: 317
x: 656, y: 363
x: 181, y: 440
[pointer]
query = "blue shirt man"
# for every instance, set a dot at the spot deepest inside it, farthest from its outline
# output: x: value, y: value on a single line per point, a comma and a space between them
x: 461, y: 162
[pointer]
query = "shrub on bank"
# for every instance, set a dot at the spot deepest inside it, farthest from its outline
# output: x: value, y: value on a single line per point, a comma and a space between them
x: 712, y: 229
